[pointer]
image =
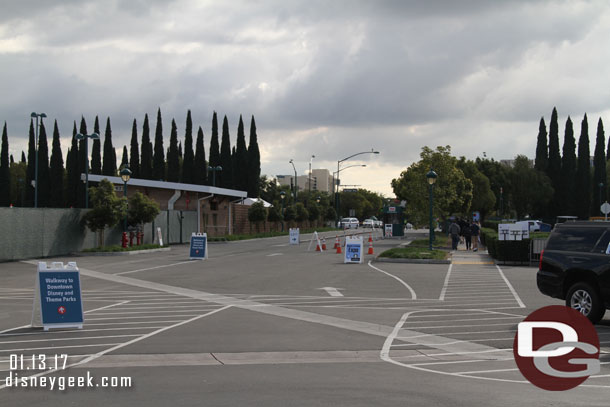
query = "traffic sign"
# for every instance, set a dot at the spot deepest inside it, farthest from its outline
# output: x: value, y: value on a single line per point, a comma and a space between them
x: 199, y: 246
x: 353, y: 249
x: 57, y: 298
x: 605, y: 208
x: 295, y: 237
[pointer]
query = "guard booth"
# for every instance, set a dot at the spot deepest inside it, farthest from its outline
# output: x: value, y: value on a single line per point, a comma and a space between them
x: 394, y: 214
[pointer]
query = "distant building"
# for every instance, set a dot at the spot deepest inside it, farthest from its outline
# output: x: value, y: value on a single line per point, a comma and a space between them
x: 320, y: 180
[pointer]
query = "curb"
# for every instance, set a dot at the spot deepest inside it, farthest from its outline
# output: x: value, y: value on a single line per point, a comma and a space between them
x: 129, y: 253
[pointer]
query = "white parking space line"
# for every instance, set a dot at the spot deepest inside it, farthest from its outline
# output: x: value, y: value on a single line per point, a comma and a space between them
x: 445, y: 284
x: 68, y: 339
x: 274, y: 254
x: 154, y: 268
x: 413, y: 295
x: 510, y: 287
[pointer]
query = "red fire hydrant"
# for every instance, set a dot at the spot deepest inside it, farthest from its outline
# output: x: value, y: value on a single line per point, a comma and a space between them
x: 139, y: 236
x: 131, y: 236
x: 124, y: 240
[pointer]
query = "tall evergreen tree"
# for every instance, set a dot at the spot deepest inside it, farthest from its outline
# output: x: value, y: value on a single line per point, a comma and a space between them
x: 96, y: 153
x: 72, y: 175
x: 82, y: 163
x: 226, y: 175
x: 109, y: 163
x: 214, y: 154
x: 554, y: 164
x: 240, y: 169
x: 254, y: 162
x: 599, y: 170
x: 134, y: 159
x: 199, y: 165
x: 583, y: 173
x: 57, y: 171
x: 173, y: 160
x: 159, y: 153
x: 23, y: 160
x: 146, y: 157
x: 31, y: 170
x: 5, y: 174
x: 44, y: 176
x: 542, y: 153
x: 567, y: 198
x: 187, y: 163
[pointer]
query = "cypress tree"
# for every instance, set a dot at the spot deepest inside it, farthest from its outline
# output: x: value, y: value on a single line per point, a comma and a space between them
x: 44, y: 176
x: 226, y: 175
x: 31, y: 170
x: 134, y: 159
x: 96, y: 154
x: 180, y: 151
x: 146, y: 157
x: 542, y: 154
x: 159, y: 154
x: 214, y: 155
x: 254, y: 162
x: 72, y: 176
x: 567, y: 198
x: 57, y: 171
x: 199, y: 165
x: 554, y: 163
x: 5, y: 174
x: 187, y: 163
x: 583, y: 173
x: 23, y: 160
x: 599, y: 170
x: 82, y: 163
x: 234, y: 166
x: 109, y: 163
x: 241, y: 179
x: 124, y: 159
x: 173, y: 160
x: 12, y: 160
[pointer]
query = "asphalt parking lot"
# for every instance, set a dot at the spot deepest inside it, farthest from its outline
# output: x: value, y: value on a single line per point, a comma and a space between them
x: 264, y: 323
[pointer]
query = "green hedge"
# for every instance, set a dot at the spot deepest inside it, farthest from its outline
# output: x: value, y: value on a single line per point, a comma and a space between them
x: 505, y: 250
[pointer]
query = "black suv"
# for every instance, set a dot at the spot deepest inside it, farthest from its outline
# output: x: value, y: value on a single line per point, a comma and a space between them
x: 575, y: 267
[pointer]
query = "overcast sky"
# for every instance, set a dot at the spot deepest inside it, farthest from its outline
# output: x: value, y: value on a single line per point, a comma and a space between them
x: 324, y: 78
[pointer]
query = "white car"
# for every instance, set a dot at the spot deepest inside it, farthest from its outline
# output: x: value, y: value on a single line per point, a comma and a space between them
x: 369, y: 223
x: 350, y: 223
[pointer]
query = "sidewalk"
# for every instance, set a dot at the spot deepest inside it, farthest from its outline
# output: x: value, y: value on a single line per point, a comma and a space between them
x: 463, y: 256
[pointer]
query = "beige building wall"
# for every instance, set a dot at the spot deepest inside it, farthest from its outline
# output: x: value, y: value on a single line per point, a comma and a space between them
x: 321, y: 180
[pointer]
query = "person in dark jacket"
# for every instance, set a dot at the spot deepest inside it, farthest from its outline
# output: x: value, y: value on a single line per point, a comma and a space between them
x: 467, y: 233
x: 475, y: 229
x: 454, y: 232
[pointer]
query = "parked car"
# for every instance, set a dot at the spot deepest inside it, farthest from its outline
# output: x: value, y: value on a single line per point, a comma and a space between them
x: 575, y: 267
x: 533, y: 225
x: 350, y: 223
x: 368, y: 223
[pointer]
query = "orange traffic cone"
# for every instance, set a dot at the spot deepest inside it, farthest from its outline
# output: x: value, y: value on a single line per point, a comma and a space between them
x: 371, y: 237
x: 323, y: 244
x: 370, y: 247
x: 318, y: 247
x: 338, y: 249
x: 337, y: 244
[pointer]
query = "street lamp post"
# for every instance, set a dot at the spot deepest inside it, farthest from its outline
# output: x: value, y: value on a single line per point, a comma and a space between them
x: 295, y: 180
x: 93, y: 136
x: 283, y: 197
x: 214, y: 169
x: 334, y: 182
x: 339, y: 181
x: 309, y: 179
x: 125, y: 174
x: 431, y: 176
x: 42, y: 116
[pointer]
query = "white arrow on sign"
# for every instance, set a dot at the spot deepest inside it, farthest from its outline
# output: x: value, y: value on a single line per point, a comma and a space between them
x: 332, y: 291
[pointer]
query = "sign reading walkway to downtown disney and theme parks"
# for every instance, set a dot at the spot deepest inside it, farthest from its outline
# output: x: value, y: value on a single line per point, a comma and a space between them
x: 353, y: 249
x: 295, y: 237
x: 57, y: 298
x: 199, y: 246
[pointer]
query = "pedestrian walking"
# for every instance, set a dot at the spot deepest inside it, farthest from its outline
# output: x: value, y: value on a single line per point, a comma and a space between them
x: 454, y: 232
x: 467, y: 233
x: 462, y: 224
x: 475, y: 230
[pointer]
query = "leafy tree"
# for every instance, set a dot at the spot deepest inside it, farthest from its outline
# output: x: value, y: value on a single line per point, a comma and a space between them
x: 330, y: 214
x: 226, y: 175
x: 542, y: 154
x: 254, y: 162
x: 314, y: 212
x: 173, y: 160
x: 134, y: 158
x: 257, y: 213
x: 57, y: 171
x: 72, y: 175
x: 554, y: 166
x: 567, y: 198
x: 142, y: 209
x: 274, y: 213
x: 532, y: 189
x: 188, y: 175
x: 302, y: 214
x: 31, y: 170
x: 18, y: 176
x: 599, y: 170
x: 146, y: 156
x: 44, y: 176
x: 452, y: 191
x: 109, y: 163
x: 108, y: 209
x: 290, y: 213
x: 583, y: 173
x: 483, y: 199
x: 96, y: 154
x: 199, y: 166
x: 241, y: 159
x: 5, y: 174
x: 158, y: 168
